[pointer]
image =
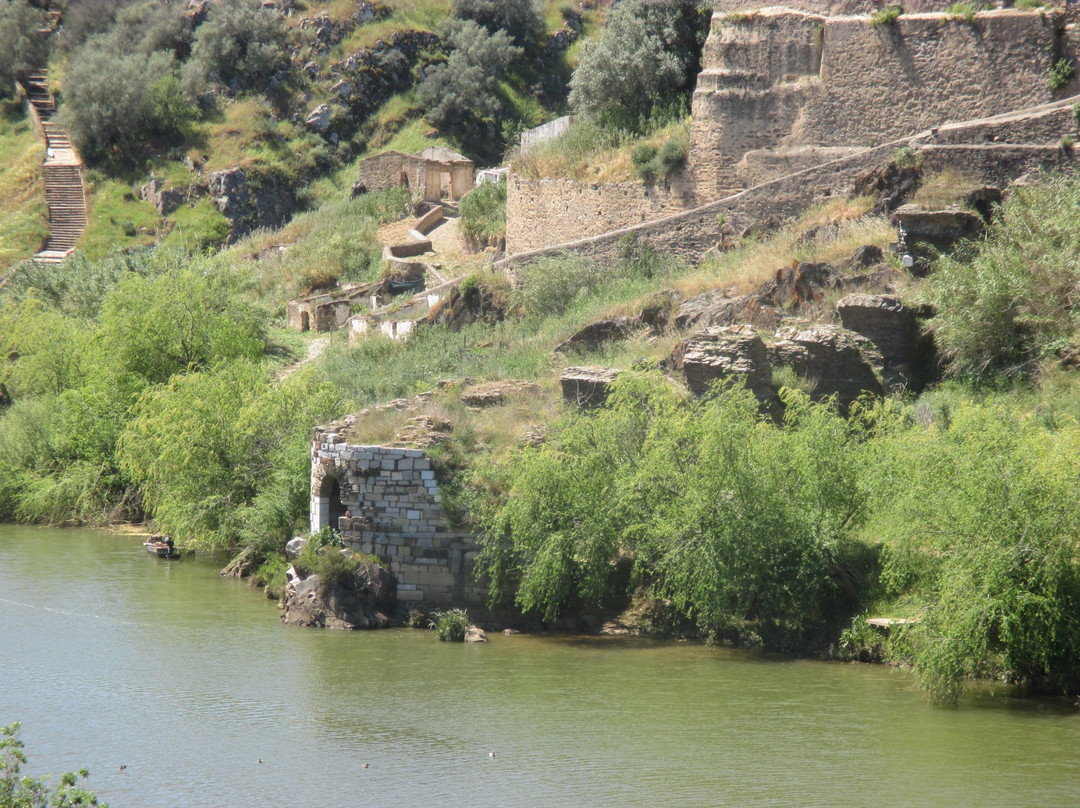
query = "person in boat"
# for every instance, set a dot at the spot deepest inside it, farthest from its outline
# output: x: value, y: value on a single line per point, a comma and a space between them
x: 169, y: 543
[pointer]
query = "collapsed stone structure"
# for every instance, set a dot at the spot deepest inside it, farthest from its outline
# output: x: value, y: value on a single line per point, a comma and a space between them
x: 385, y: 501
x: 433, y: 172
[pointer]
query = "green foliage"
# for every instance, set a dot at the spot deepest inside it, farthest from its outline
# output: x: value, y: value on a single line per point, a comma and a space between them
x: 222, y: 457
x: 906, y: 157
x: 31, y: 792
x: 979, y: 511
x: 240, y: 46
x: 550, y: 286
x: 116, y: 102
x: 180, y: 321
x: 647, y: 58
x: 450, y: 625
x: 1060, y: 73
x: 711, y: 504
x: 887, y: 16
x: 1006, y: 303
x: 23, y: 46
x: 460, y: 94
x: 483, y: 213
x: 963, y: 11
x: 654, y: 163
x: 523, y: 20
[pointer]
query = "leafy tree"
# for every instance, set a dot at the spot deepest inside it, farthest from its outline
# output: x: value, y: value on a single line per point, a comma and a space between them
x: 23, y: 47
x: 523, y: 20
x: 31, y: 792
x: 647, y: 58
x: 241, y: 45
x: 461, y: 92
x: 741, y: 523
x: 179, y: 321
x: 979, y: 511
x: 115, y: 102
x: 50, y: 350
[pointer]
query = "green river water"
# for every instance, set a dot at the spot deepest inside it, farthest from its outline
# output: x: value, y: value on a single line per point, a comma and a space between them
x: 111, y: 657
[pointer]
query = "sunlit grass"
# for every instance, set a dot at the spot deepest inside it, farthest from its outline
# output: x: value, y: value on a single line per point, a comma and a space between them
x: 116, y: 218
x: 23, y: 225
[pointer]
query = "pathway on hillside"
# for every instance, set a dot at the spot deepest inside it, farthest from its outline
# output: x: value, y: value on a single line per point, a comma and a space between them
x: 63, y: 178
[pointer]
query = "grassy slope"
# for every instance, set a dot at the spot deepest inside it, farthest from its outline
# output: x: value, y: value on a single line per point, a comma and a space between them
x: 23, y: 224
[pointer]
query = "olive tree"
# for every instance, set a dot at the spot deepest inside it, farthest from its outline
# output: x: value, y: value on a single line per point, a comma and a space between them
x: 23, y: 46
x: 648, y: 56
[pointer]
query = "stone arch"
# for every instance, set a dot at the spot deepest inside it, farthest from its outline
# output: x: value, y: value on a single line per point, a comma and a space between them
x: 327, y: 503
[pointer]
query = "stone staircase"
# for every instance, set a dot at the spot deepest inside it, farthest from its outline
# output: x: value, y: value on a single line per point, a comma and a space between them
x: 63, y: 177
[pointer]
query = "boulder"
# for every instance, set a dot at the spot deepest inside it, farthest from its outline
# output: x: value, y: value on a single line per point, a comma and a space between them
x: 587, y: 386
x: 478, y: 304
x: 717, y: 309
x: 495, y: 394
x: 727, y: 352
x: 295, y: 546
x: 363, y: 599
x: 475, y: 634
x: 792, y: 287
x: 658, y: 309
x: 891, y: 326
x: 265, y: 201
x: 890, y: 185
x: 165, y: 200
x: 944, y: 226
x: 866, y: 256
x: 423, y: 431
x: 598, y: 334
x: 319, y: 118
x: 343, y: 89
x: 835, y: 361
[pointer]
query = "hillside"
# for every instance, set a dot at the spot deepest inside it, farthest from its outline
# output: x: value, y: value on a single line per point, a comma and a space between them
x: 751, y: 386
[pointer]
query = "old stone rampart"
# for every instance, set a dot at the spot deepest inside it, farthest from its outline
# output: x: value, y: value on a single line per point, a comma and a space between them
x: 780, y: 78
x: 691, y: 233
x: 395, y: 511
x: 542, y: 213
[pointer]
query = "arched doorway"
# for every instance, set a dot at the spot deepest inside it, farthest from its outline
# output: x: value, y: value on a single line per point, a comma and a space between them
x: 326, y: 503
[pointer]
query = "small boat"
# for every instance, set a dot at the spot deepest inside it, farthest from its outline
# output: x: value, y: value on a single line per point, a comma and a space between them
x: 161, y: 546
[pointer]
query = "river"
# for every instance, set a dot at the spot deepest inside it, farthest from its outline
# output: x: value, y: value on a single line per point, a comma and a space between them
x: 110, y: 657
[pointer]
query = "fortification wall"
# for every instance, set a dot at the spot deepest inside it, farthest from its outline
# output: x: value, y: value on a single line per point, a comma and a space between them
x: 395, y: 512
x: 690, y: 234
x: 545, y: 212
x: 780, y: 78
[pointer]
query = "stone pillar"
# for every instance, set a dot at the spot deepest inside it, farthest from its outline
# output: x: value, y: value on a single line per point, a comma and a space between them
x: 461, y: 180
x: 433, y: 184
x: 320, y: 513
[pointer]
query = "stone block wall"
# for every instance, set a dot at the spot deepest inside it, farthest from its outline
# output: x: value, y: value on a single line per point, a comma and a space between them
x: 397, y: 514
x: 545, y: 212
x: 784, y: 78
x: 385, y: 171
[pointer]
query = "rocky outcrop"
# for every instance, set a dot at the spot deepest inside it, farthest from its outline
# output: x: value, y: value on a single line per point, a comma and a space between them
x: 727, y: 352
x: 940, y: 227
x: 834, y: 361
x: 259, y: 201
x: 318, y: 119
x: 587, y: 386
x: 495, y: 394
x: 891, y: 326
x: 596, y: 335
x: 717, y: 309
x: 363, y: 598
x: 476, y: 304
x: 165, y: 200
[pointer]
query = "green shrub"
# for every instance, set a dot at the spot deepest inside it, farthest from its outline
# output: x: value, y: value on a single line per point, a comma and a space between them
x: 29, y: 792
x: 450, y: 625
x: 523, y: 20
x: 963, y: 11
x: 117, y: 102
x: 887, y: 16
x: 1006, y: 302
x: 483, y: 214
x: 1060, y: 73
x: 241, y: 45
